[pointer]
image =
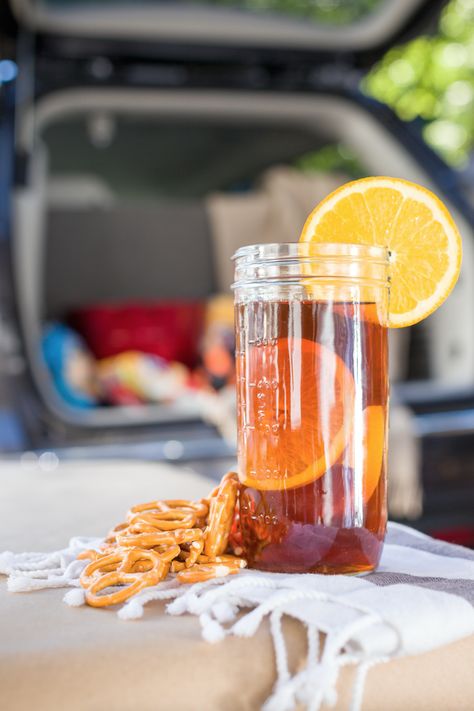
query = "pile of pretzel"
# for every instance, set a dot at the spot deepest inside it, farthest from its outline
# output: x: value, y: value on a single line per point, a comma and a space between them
x: 187, y: 538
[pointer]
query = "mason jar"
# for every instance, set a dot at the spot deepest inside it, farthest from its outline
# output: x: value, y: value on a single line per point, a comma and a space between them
x: 312, y: 395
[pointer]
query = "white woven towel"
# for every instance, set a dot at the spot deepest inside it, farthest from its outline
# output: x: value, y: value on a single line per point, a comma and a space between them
x: 366, y: 620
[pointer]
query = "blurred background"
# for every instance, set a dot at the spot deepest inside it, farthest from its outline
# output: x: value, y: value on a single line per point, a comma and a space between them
x: 141, y: 143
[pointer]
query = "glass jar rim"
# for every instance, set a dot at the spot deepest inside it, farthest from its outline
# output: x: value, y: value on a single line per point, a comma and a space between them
x: 351, y: 251
x: 306, y: 264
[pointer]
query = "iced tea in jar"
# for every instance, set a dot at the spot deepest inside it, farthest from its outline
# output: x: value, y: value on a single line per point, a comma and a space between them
x: 312, y: 392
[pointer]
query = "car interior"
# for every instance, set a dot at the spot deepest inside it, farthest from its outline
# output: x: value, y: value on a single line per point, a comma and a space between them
x: 129, y: 179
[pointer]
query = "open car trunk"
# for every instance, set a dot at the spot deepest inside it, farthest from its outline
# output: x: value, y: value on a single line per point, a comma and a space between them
x: 128, y: 218
x: 133, y: 120
x: 137, y: 114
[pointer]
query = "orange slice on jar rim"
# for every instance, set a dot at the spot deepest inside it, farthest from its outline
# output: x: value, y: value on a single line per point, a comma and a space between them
x: 298, y: 413
x: 411, y: 223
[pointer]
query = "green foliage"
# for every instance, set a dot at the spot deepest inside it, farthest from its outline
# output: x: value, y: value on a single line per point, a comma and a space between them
x: 432, y: 78
x: 335, y: 12
x: 332, y: 158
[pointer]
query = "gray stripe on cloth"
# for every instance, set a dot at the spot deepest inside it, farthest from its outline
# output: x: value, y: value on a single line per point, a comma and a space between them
x: 461, y: 588
x: 401, y: 536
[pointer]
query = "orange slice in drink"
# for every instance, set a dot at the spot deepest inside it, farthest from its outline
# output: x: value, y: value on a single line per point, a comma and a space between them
x: 412, y: 223
x: 374, y: 447
x: 372, y: 450
x: 297, y: 417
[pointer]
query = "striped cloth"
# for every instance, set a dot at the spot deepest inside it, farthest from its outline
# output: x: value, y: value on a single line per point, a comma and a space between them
x: 420, y: 598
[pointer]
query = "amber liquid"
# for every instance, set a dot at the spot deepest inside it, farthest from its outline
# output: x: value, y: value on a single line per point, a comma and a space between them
x: 312, y: 391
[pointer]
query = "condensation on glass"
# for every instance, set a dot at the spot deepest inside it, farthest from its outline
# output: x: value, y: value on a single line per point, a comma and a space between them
x: 312, y: 391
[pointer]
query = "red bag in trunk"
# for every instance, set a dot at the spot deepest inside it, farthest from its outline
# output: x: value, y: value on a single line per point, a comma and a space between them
x: 170, y: 329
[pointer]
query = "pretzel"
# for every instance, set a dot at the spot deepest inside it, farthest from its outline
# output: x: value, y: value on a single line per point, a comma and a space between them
x: 149, y: 506
x: 202, y: 573
x: 160, y: 538
x: 165, y: 520
x: 131, y: 582
x: 221, y: 514
x: 90, y: 554
x: 232, y: 560
x: 215, y: 491
x: 191, y: 556
x: 236, y: 544
x: 134, y: 556
x: 177, y: 565
x: 200, y: 508
x: 101, y: 565
x: 112, y: 534
x: 186, y: 538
